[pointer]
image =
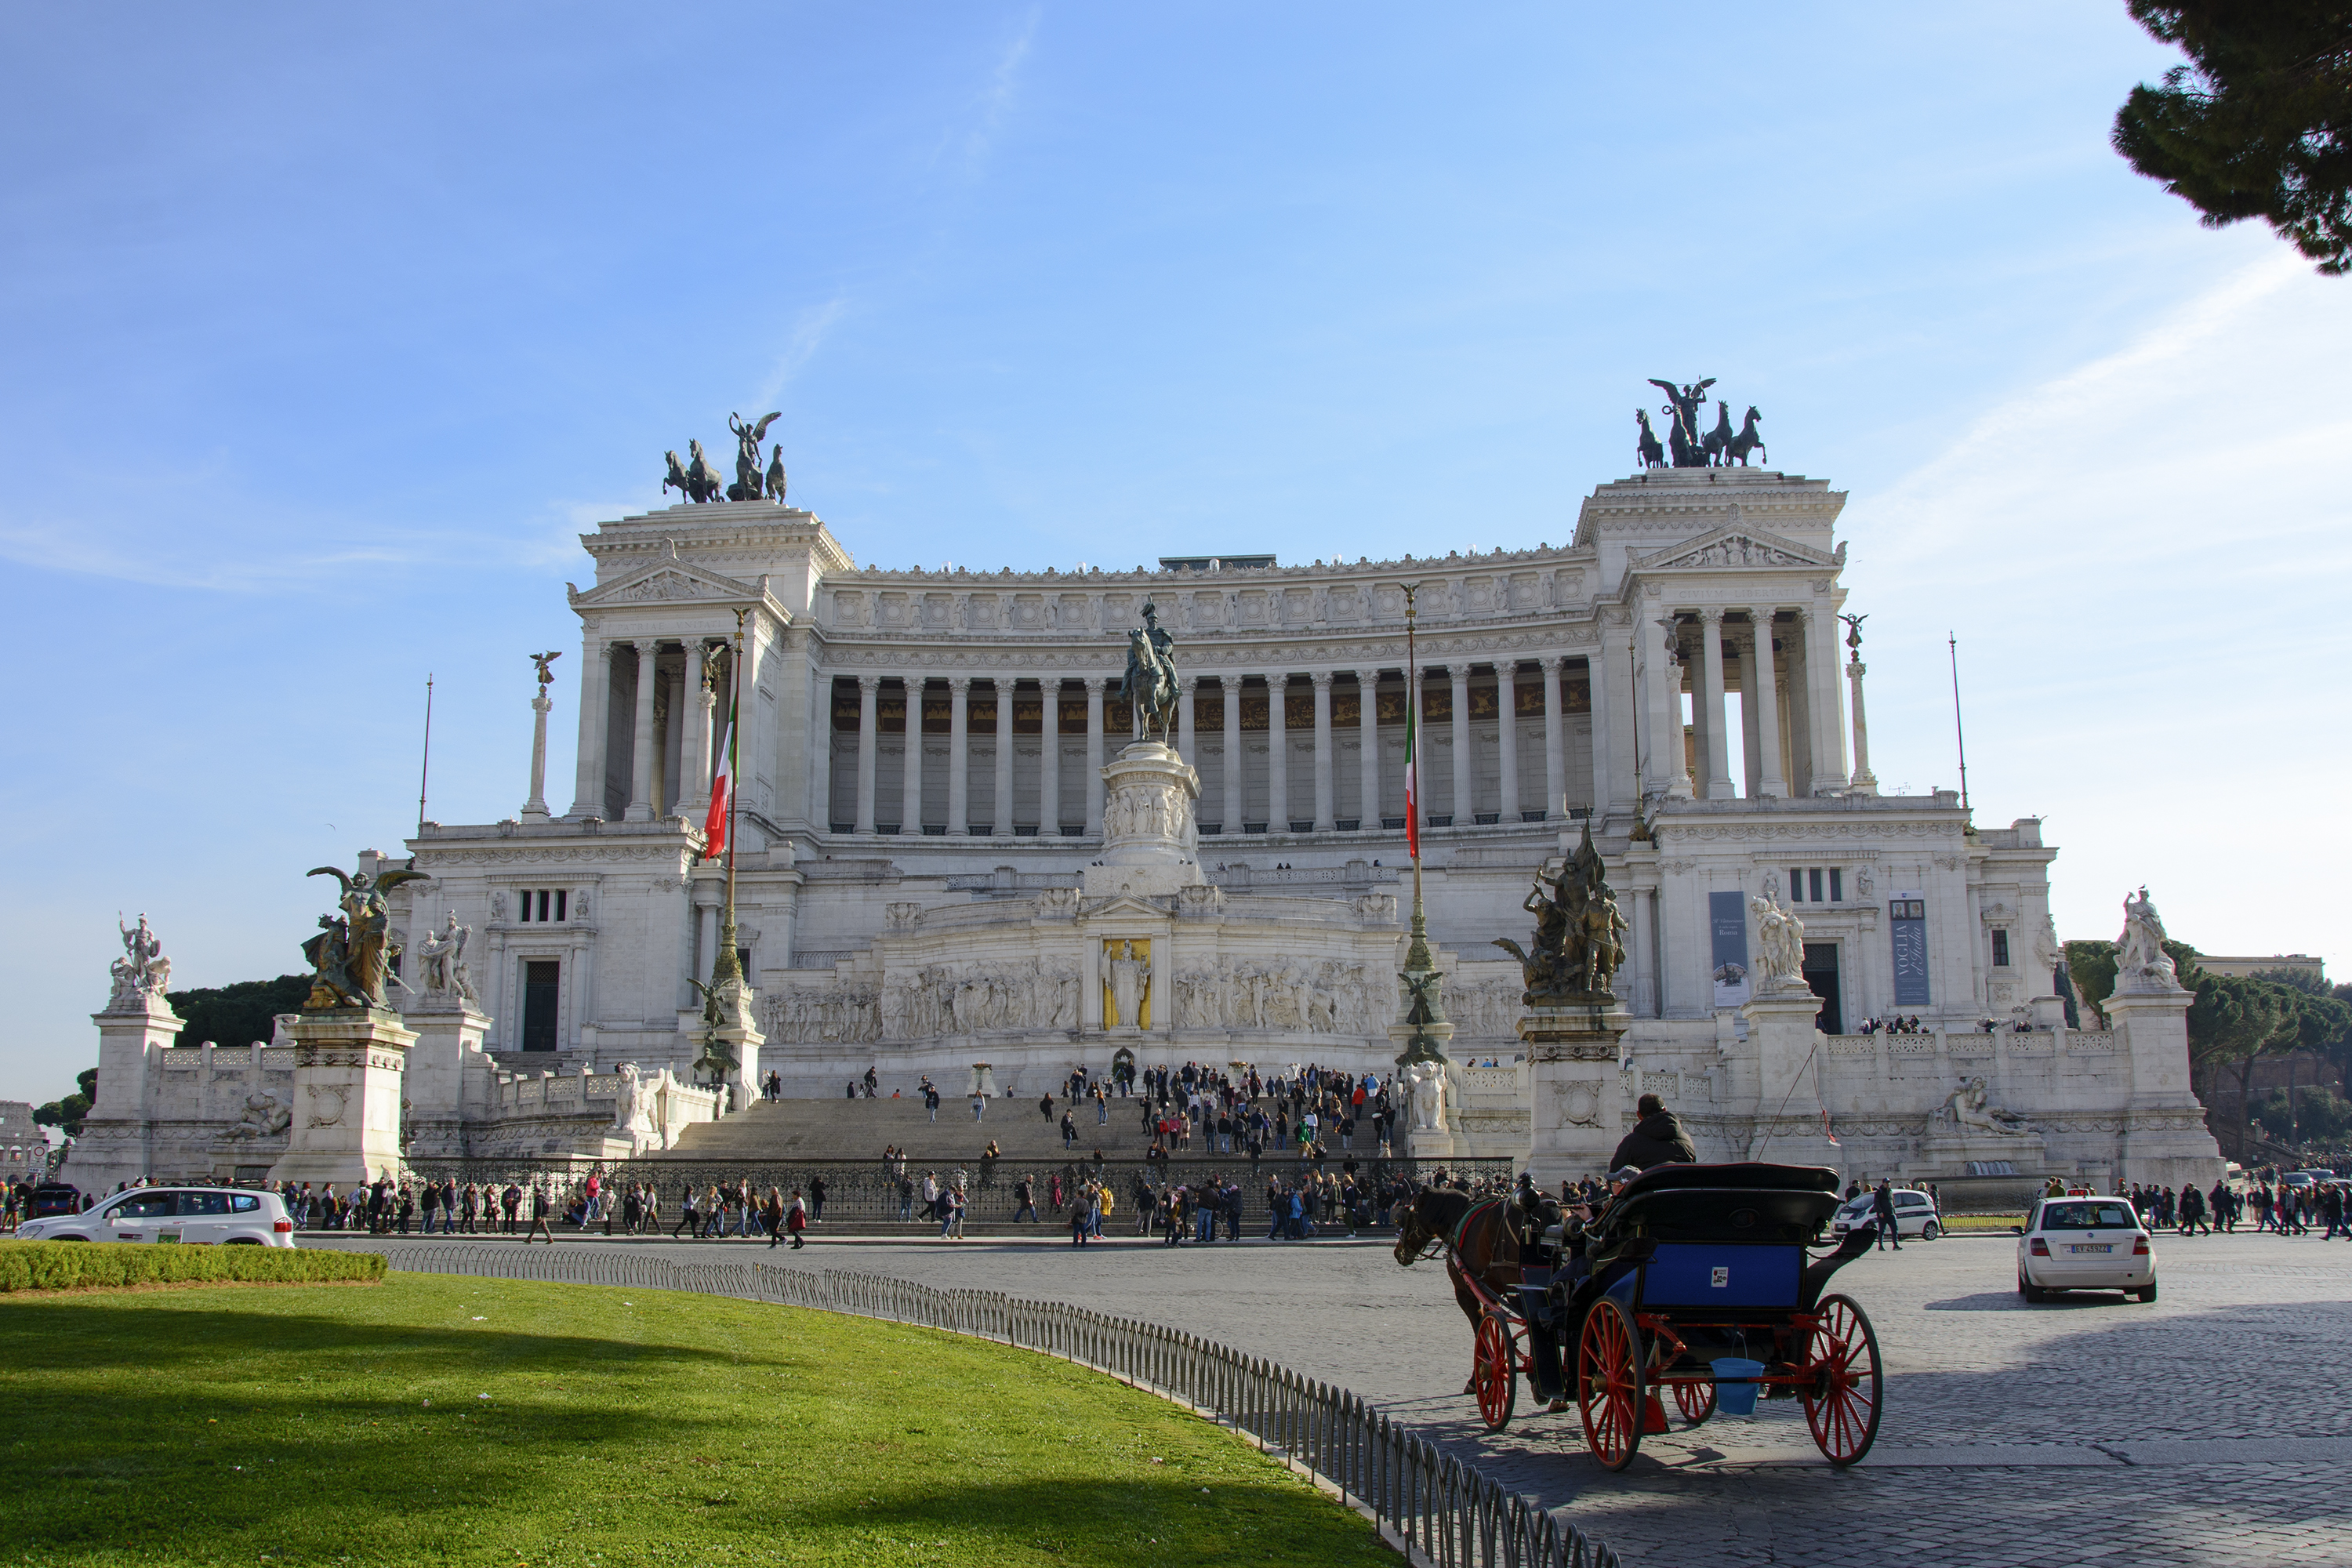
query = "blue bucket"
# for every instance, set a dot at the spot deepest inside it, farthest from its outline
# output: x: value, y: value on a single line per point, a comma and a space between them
x: 1735, y: 1385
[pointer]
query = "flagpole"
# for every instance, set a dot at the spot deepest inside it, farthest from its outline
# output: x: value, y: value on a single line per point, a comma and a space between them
x: 425, y: 769
x: 726, y: 964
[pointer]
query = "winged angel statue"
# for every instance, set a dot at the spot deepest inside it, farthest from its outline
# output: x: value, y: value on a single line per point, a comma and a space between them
x: 351, y: 955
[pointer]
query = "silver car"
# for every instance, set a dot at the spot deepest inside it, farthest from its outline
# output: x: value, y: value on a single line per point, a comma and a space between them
x: 1914, y: 1214
x: 225, y: 1217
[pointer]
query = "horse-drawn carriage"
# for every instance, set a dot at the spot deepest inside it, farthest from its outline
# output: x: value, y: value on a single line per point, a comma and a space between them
x: 1696, y: 1279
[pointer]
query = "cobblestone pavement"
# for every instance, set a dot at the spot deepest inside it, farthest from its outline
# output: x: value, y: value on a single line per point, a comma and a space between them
x: 2208, y: 1429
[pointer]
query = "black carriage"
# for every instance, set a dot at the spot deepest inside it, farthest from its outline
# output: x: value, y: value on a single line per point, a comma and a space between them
x: 1700, y: 1281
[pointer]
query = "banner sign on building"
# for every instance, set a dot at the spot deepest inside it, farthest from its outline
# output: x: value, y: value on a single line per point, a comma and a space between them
x: 1726, y: 916
x: 1906, y: 915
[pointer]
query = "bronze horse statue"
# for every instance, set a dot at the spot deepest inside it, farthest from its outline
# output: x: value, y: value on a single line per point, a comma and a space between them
x: 1749, y: 440
x: 1716, y: 442
x: 1481, y: 1239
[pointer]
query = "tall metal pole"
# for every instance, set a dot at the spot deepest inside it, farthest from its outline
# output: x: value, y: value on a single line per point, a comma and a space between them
x: 424, y: 770
x: 1959, y: 731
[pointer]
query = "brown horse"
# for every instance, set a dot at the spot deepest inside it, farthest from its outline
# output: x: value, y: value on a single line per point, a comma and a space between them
x: 1480, y: 1238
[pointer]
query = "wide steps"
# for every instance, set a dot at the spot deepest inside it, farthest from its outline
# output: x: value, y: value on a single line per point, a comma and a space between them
x: 858, y: 1130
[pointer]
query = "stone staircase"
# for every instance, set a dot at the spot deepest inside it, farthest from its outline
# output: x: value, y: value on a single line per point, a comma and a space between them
x: 804, y: 1131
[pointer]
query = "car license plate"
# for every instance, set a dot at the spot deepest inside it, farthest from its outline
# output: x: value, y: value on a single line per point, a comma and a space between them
x: 2101, y: 1247
x: 167, y: 1236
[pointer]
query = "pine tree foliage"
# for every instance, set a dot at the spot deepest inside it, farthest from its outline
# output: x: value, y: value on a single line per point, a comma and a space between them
x: 2258, y: 124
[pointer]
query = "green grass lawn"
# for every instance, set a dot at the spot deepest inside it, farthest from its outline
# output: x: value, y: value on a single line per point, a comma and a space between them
x: 435, y: 1419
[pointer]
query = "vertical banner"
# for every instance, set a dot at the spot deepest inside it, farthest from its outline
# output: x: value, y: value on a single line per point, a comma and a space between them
x: 1726, y: 917
x: 1908, y: 917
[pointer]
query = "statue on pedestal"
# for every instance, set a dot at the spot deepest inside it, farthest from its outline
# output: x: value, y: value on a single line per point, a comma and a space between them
x: 1150, y: 680
x: 1779, y: 958
x: 748, y: 483
x: 2141, y: 963
x: 141, y: 971
x: 351, y: 955
x: 441, y: 960
x: 1578, y: 947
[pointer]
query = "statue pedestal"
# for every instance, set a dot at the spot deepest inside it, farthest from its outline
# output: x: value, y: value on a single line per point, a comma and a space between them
x: 742, y: 1039
x: 1577, y: 1114
x: 1781, y: 1036
x: 1425, y: 1044
x: 116, y: 1143
x: 2165, y: 1141
x: 1150, y: 844
x: 350, y: 1066
x: 449, y: 1077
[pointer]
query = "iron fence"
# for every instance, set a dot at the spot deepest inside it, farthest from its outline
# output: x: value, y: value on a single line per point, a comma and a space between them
x: 1449, y: 1513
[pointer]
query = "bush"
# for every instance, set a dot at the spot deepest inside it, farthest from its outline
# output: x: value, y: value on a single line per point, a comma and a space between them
x: 2321, y: 1117
x: 75, y: 1265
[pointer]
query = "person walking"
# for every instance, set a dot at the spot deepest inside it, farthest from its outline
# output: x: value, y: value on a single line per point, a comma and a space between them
x: 796, y: 1219
x: 932, y: 1099
x: 771, y: 1217
x: 816, y: 1190
x: 1024, y: 1194
x: 1882, y: 1207
x: 539, y: 1204
x: 2192, y: 1212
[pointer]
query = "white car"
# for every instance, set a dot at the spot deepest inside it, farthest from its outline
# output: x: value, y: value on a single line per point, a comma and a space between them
x: 2084, y: 1244
x: 226, y: 1216
x: 1914, y: 1214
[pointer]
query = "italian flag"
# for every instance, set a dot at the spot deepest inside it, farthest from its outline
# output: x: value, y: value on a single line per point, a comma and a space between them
x: 714, y: 827
x: 1412, y: 778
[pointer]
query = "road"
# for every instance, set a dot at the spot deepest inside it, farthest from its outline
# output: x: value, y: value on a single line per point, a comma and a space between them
x: 2208, y: 1429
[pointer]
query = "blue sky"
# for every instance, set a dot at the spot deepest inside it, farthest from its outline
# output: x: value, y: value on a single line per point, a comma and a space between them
x: 328, y: 331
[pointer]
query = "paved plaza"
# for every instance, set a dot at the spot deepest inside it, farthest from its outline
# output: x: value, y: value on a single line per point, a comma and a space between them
x: 2207, y: 1428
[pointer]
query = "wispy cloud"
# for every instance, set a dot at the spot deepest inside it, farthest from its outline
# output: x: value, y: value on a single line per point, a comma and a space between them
x: 810, y: 329
x: 78, y: 549
x: 965, y: 151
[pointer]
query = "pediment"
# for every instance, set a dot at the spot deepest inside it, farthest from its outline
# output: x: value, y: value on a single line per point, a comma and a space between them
x: 669, y: 581
x: 1734, y: 544
x: 1119, y: 904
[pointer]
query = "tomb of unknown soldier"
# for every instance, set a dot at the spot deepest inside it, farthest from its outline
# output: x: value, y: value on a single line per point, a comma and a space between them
x: 990, y: 828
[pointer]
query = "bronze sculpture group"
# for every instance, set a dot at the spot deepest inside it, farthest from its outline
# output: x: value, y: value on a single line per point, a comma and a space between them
x: 1577, y: 949
x: 699, y: 482
x: 1686, y: 447
x: 1150, y: 680
x: 352, y: 956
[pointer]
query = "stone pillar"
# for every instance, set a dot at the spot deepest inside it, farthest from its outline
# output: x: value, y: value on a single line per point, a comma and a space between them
x: 348, y: 1063
x: 1577, y: 1111
x: 1774, y: 777
x: 910, y: 783
x: 1000, y: 814
x: 1788, y: 1127
x: 1324, y: 760
x: 1864, y: 781
x: 869, y: 703
x: 1230, y: 809
x: 1368, y: 736
x: 959, y: 756
x: 1278, y: 754
x: 1049, y: 757
x: 1507, y: 734
x: 448, y: 1078
x: 1555, y: 740
x: 1750, y: 757
x: 1188, y: 745
x: 702, y: 702
x: 1466, y: 774
x: 756, y: 744
x: 117, y: 1142
x: 1669, y: 772
x: 1095, y: 684
x: 535, y: 809
x: 1821, y: 682
x: 2164, y: 1138
x: 1711, y: 721
x: 641, y: 758
x: 595, y: 701
x: 1614, y: 717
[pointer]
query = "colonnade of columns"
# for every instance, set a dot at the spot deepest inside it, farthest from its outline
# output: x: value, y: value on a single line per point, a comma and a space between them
x: 1317, y: 811
x: 670, y: 728
x: 1793, y: 739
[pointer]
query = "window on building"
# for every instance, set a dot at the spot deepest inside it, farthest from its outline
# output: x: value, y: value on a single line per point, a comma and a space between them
x: 1796, y: 884
x: 544, y: 904
x: 2000, y: 949
x: 1837, y: 885
x: 1816, y: 884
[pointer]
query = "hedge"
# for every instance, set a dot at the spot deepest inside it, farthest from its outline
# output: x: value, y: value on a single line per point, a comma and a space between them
x: 82, y: 1265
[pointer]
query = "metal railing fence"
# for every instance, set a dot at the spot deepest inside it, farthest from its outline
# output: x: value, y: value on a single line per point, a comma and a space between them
x: 1450, y: 1513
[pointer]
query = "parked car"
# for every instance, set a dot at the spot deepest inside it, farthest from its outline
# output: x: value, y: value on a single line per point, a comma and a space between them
x: 1914, y: 1214
x: 2084, y: 1244
x: 220, y: 1215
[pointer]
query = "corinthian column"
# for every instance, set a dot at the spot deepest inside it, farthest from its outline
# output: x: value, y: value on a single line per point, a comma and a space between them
x: 959, y: 756
x: 910, y: 781
x: 1466, y: 773
x: 1711, y: 723
x: 702, y: 701
x: 1095, y: 684
x: 1506, y: 736
x: 1368, y: 737
x: 1555, y: 740
x: 595, y: 710
x: 1000, y: 812
x: 1186, y: 741
x: 1278, y: 754
x: 869, y: 696
x: 1323, y: 758
x: 1229, y: 810
x: 535, y: 809
x: 1049, y: 757
x: 1774, y: 781
x: 641, y: 757
x: 1864, y: 781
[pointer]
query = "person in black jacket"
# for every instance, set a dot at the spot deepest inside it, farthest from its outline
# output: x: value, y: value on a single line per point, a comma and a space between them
x: 1657, y: 1139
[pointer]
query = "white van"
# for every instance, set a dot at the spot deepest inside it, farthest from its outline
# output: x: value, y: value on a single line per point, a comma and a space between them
x: 229, y: 1216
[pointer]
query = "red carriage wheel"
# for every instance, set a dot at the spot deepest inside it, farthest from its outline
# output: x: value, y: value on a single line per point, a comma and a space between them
x: 1842, y: 1397
x: 1695, y: 1400
x: 1496, y: 1377
x: 1608, y: 1384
